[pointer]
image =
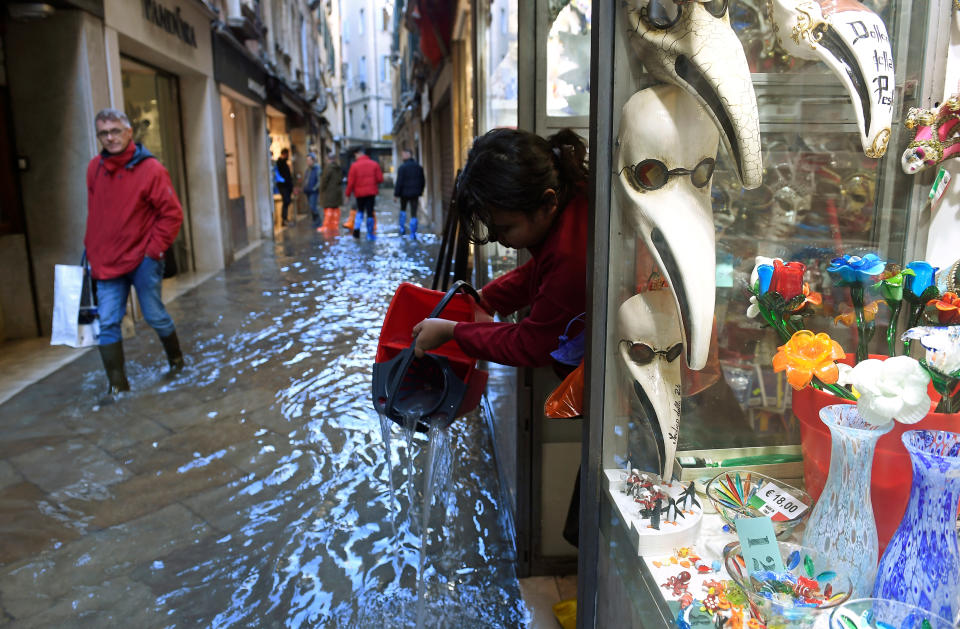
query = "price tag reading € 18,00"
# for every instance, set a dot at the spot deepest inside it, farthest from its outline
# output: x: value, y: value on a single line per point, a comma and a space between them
x: 778, y: 505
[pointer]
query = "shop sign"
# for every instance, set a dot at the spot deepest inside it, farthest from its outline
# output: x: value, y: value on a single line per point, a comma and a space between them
x: 169, y: 21
x: 257, y: 88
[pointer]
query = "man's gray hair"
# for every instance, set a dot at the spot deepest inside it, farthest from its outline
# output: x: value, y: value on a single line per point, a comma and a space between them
x: 112, y: 114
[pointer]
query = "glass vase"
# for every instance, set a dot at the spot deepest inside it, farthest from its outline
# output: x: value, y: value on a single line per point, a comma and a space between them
x: 842, y: 525
x: 921, y: 565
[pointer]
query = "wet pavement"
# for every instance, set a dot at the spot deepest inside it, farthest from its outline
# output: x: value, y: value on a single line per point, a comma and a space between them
x: 253, y: 490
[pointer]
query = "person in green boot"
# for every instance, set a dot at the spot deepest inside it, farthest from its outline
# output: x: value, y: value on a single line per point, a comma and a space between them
x: 133, y: 216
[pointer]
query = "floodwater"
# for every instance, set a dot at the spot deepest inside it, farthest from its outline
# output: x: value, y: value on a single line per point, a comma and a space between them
x: 257, y: 489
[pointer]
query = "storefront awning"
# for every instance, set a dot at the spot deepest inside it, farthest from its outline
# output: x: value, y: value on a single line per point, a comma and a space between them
x: 433, y: 19
x: 236, y: 67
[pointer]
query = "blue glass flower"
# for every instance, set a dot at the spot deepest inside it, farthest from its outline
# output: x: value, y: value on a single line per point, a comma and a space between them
x: 765, y: 274
x: 923, y: 276
x: 855, y: 269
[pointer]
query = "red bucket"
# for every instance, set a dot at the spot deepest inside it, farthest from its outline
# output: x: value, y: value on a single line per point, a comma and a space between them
x: 892, y: 473
x: 410, y: 305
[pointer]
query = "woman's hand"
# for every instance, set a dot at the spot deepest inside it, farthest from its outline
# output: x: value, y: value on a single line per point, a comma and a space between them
x: 431, y: 334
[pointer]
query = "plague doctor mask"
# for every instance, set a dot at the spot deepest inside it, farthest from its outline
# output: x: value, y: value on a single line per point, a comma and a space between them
x: 852, y: 40
x: 665, y: 159
x: 690, y: 44
x: 649, y: 346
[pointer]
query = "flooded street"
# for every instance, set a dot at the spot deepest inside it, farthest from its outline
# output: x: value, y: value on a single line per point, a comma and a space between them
x: 255, y: 489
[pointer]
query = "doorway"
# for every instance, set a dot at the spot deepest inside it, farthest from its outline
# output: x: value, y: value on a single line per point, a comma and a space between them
x: 151, y: 100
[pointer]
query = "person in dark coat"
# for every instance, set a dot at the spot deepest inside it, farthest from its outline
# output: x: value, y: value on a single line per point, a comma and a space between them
x: 409, y: 187
x: 331, y: 194
x: 285, y: 183
x: 311, y: 187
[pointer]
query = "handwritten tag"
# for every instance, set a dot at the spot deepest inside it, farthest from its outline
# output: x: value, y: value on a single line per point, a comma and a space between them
x: 758, y: 544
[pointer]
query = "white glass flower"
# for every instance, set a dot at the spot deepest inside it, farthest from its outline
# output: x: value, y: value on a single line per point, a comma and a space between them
x: 942, y: 345
x: 754, y: 309
x: 895, y: 388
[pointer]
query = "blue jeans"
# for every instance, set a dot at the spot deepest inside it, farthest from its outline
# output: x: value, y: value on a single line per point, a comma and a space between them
x: 112, y: 301
x: 312, y: 202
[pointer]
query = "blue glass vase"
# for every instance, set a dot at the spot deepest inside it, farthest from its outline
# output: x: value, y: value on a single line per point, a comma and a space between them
x: 921, y: 565
x: 842, y: 524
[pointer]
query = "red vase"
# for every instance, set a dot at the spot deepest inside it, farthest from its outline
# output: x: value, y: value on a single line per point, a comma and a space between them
x: 892, y: 471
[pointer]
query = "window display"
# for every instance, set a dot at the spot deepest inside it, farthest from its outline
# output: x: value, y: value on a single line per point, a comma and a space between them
x: 683, y: 229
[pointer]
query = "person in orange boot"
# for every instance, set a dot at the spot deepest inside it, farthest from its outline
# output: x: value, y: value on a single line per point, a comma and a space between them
x: 331, y: 196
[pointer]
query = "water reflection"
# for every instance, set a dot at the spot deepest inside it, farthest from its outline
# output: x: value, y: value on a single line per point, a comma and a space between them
x: 256, y: 489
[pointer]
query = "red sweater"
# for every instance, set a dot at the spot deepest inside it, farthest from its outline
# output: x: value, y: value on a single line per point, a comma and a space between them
x: 553, y: 283
x: 132, y: 211
x: 364, y: 178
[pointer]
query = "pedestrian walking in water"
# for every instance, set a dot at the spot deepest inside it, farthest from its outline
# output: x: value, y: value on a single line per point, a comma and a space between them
x: 363, y: 181
x: 133, y: 216
x: 311, y: 187
x: 284, y: 184
x: 331, y: 194
x: 408, y: 188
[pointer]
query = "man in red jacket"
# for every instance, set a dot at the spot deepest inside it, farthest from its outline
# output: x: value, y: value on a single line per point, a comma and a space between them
x: 133, y: 215
x: 363, y: 181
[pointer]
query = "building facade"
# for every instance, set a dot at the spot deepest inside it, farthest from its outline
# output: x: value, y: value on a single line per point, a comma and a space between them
x: 213, y: 89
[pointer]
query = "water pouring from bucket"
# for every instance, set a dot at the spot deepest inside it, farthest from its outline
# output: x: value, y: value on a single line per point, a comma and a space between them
x: 442, y: 385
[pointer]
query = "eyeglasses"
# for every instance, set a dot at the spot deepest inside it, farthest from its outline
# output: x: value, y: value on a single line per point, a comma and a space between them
x: 643, y: 354
x: 663, y: 14
x: 116, y: 132
x: 652, y: 174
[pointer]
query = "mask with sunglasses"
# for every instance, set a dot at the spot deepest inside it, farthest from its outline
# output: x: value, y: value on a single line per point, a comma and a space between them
x: 650, y: 350
x: 690, y: 44
x: 664, y: 163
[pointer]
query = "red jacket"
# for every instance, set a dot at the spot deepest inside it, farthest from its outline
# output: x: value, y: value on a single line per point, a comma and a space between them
x: 553, y: 283
x: 364, y: 178
x: 132, y: 211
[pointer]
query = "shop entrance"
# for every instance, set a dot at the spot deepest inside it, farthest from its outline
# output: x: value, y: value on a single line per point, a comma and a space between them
x: 151, y: 99
x: 241, y: 202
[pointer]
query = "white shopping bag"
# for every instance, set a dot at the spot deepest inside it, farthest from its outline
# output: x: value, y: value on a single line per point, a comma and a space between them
x: 67, y: 328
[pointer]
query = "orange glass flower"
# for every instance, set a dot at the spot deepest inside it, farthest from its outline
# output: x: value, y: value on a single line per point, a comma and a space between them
x: 814, y: 299
x: 807, y: 355
x: 947, y: 309
x: 850, y: 318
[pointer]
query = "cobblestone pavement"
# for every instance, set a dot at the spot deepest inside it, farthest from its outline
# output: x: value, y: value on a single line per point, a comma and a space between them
x: 253, y: 490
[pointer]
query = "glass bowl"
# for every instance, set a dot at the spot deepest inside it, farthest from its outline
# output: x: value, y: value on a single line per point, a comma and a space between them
x: 833, y: 587
x: 878, y: 613
x: 741, y: 494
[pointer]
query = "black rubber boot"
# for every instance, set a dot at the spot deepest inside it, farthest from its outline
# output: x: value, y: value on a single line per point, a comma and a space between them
x: 356, y: 232
x: 112, y: 356
x: 171, y: 345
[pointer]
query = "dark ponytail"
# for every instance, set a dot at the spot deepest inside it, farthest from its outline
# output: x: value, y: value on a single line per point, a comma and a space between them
x: 509, y: 169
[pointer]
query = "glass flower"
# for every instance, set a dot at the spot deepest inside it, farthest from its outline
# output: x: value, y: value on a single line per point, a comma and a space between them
x: 762, y: 273
x: 787, y: 279
x: 807, y: 355
x: 812, y: 298
x: 855, y: 269
x: 850, y: 318
x: 895, y: 388
x: 922, y: 279
x: 942, y: 345
x: 946, y: 310
x: 892, y: 281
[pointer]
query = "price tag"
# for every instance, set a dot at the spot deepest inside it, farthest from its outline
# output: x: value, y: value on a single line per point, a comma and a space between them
x: 758, y: 544
x: 777, y: 504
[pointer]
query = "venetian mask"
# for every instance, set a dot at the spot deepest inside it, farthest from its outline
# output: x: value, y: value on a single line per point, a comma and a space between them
x: 665, y: 160
x: 852, y: 40
x: 690, y: 44
x: 650, y: 348
x: 937, y: 136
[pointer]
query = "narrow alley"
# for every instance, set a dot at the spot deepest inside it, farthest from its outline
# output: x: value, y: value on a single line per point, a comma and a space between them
x: 253, y: 490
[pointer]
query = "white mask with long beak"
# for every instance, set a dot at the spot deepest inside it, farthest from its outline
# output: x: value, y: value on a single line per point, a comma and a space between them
x: 650, y: 348
x: 691, y: 44
x: 852, y: 40
x: 665, y: 157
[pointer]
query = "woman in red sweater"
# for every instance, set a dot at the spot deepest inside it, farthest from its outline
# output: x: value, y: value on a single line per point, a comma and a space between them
x: 527, y: 192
